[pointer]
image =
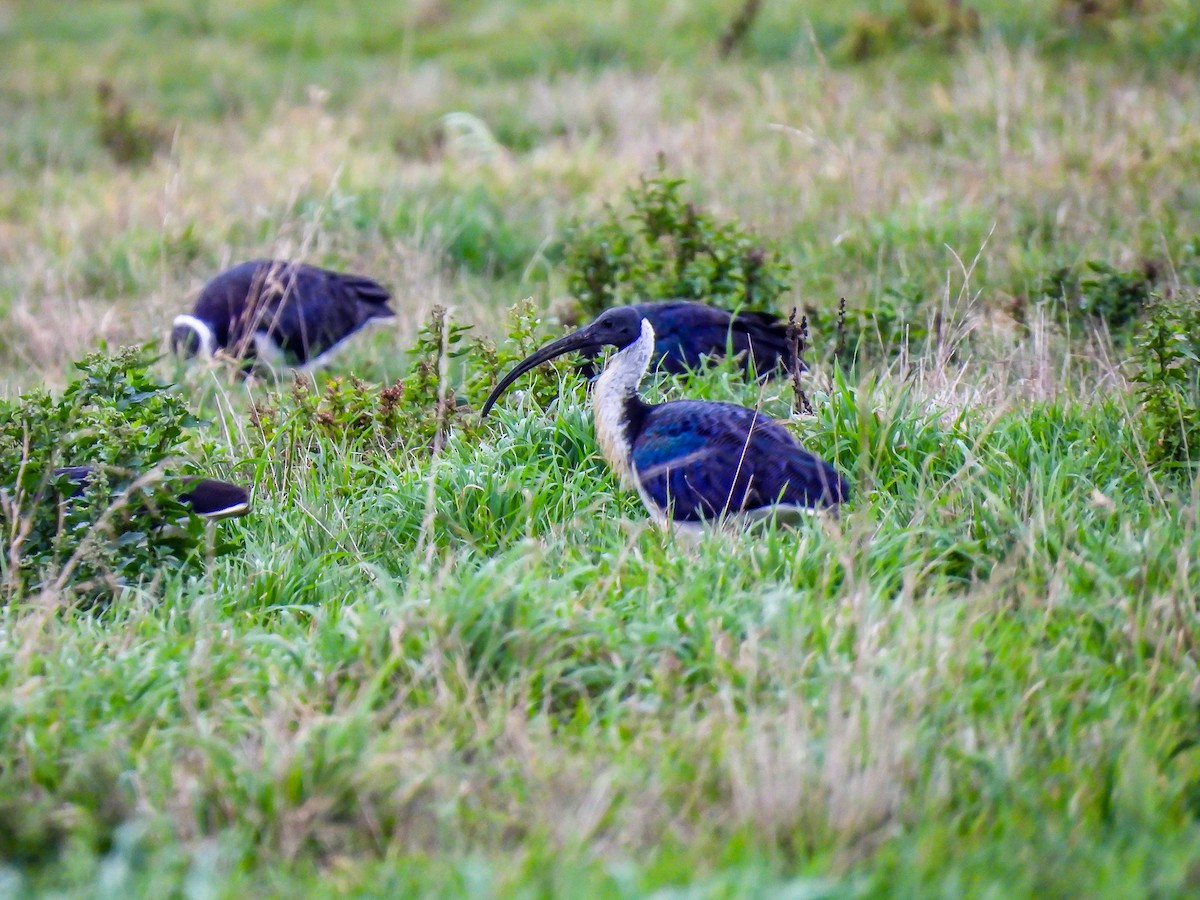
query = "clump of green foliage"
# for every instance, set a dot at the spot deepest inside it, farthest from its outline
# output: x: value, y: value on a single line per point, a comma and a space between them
x: 365, y: 418
x: 1167, y: 372
x: 897, y: 320
x: 128, y: 138
x: 666, y: 247
x: 486, y: 362
x: 127, y: 523
x: 1098, y: 12
x: 940, y: 23
x: 346, y: 411
x: 1099, y: 292
x: 451, y: 374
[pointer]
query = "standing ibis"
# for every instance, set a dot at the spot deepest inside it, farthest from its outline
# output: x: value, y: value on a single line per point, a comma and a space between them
x: 687, y: 331
x: 691, y: 461
x: 205, y: 497
x: 281, y: 313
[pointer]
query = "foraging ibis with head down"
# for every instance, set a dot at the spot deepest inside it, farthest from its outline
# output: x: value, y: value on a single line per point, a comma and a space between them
x: 687, y: 331
x: 691, y: 461
x: 206, y: 497
x: 280, y: 313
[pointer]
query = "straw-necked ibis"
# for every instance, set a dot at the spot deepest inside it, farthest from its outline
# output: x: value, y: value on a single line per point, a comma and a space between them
x: 687, y: 331
x: 205, y: 497
x: 692, y: 461
x: 281, y: 313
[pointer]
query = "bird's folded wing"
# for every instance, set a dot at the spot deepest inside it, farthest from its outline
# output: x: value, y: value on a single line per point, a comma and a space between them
x: 707, y: 460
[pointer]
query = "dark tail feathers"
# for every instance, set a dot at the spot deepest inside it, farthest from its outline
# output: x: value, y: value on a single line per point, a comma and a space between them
x: 206, y: 496
x: 768, y: 334
x: 365, y: 290
x: 215, y: 499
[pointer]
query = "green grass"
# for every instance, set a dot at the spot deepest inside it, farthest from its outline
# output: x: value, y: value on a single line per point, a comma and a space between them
x: 483, y: 671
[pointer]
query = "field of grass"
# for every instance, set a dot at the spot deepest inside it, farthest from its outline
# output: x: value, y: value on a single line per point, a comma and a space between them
x: 471, y: 665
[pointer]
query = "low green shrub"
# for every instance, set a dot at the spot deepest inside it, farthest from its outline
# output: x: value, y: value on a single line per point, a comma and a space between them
x: 1099, y: 292
x: 666, y: 247
x: 129, y: 138
x: 940, y: 24
x: 127, y: 523
x: 1166, y: 370
x: 896, y: 321
x: 451, y: 372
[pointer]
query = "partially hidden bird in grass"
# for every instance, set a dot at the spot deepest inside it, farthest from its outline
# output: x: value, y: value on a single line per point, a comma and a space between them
x: 206, y: 497
x: 279, y: 313
x: 692, y: 462
x: 686, y: 332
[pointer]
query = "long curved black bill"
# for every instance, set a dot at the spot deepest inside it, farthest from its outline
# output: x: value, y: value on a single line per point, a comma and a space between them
x: 576, y: 340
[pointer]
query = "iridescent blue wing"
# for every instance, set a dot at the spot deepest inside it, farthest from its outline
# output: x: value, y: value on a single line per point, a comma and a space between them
x: 705, y: 460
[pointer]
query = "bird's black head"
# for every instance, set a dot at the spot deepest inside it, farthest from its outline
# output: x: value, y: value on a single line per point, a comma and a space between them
x: 617, y: 327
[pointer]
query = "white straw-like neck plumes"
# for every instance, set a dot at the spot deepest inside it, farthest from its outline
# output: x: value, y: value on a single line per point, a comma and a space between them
x: 610, y: 400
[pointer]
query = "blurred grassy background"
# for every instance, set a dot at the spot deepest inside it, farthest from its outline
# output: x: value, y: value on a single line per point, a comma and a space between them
x: 442, y: 147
